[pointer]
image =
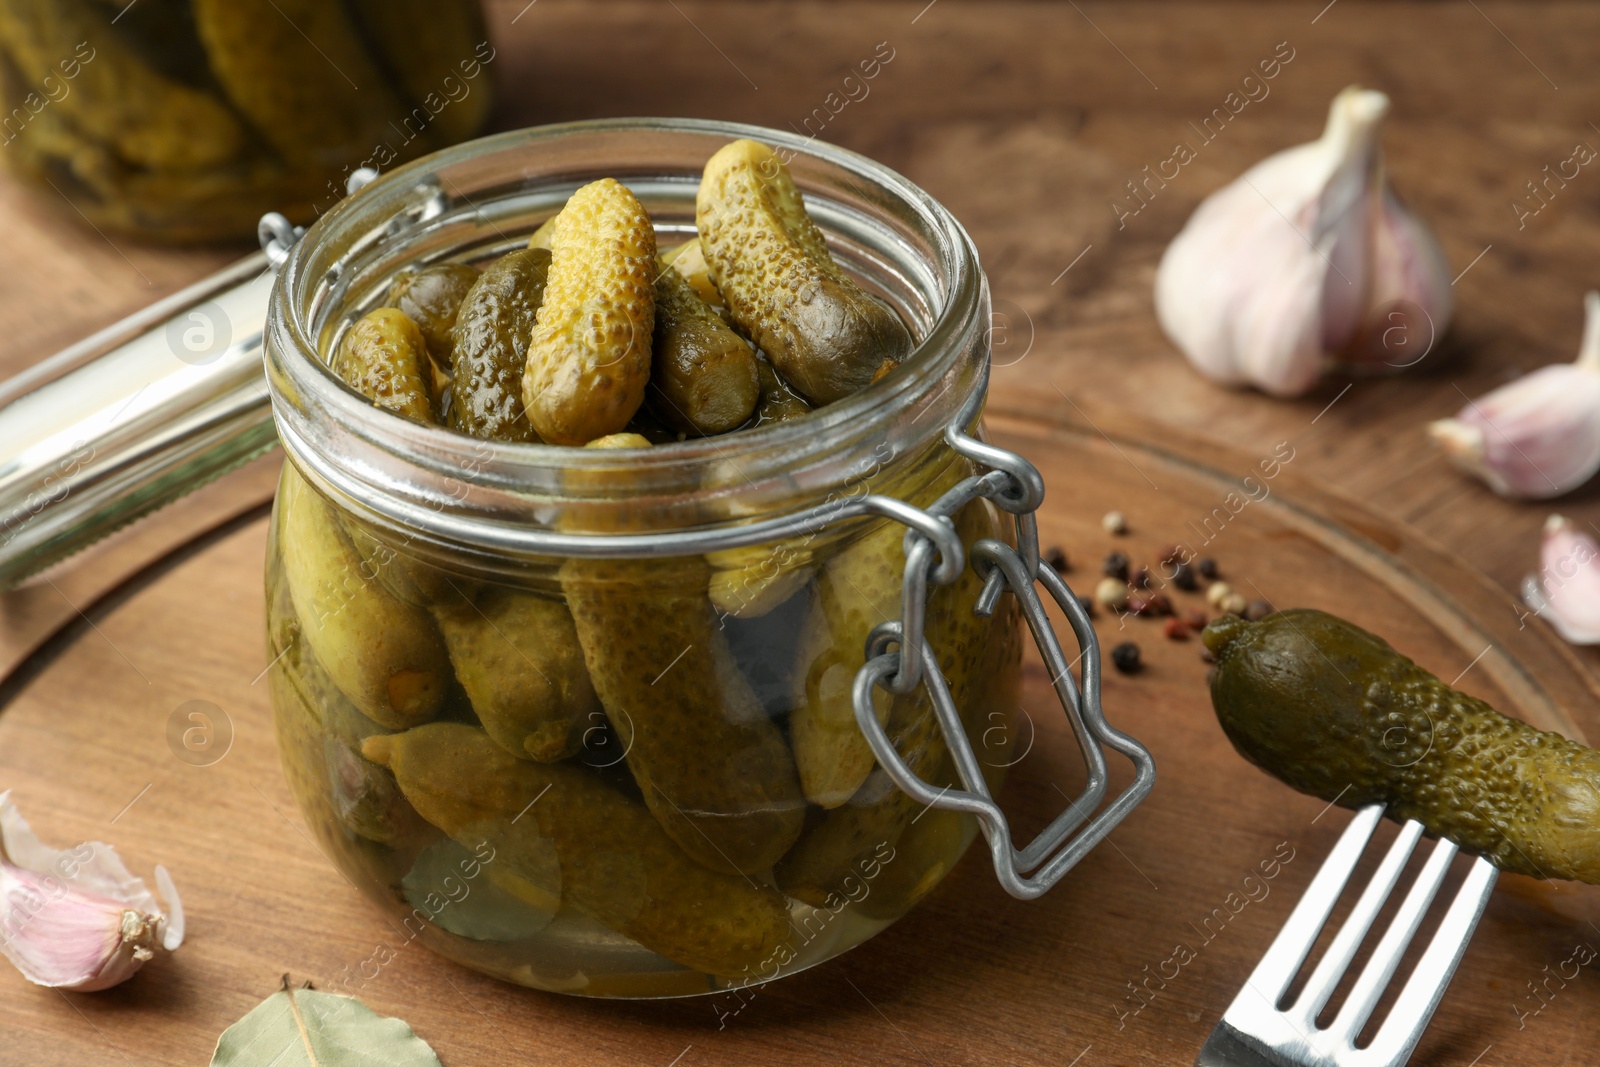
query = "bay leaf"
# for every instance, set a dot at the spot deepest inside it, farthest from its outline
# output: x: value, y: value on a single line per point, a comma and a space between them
x: 305, y: 1028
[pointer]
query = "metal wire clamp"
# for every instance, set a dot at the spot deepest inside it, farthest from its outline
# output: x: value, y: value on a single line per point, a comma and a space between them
x: 899, y: 659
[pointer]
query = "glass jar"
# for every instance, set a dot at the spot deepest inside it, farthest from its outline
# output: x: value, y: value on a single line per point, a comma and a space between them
x: 641, y: 769
x: 185, y: 120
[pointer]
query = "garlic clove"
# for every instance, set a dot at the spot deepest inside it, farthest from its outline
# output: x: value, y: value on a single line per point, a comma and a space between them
x: 1539, y: 436
x: 77, y: 919
x: 1410, y: 296
x: 1299, y: 260
x: 1566, y: 591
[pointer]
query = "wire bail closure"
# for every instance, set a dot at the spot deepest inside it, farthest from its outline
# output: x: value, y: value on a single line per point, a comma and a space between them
x: 899, y: 659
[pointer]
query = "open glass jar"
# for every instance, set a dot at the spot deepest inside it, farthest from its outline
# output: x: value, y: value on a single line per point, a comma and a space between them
x: 614, y: 722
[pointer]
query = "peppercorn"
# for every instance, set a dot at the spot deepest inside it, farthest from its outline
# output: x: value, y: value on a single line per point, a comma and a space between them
x: 1125, y: 657
x: 1115, y: 566
x: 1206, y: 657
x: 1183, y: 577
x: 1174, y: 554
x: 1176, y: 630
x: 1149, y: 604
x: 1087, y: 603
x: 1257, y: 610
x: 1208, y: 568
x: 1056, y: 556
x: 1140, y: 578
x: 1218, y: 592
x: 1233, y: 604
x: 1195, y: 619
x: 1114, y: 523
x: 1111, y: 594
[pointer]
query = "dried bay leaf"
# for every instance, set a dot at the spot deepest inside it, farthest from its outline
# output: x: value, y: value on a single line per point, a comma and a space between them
x: 305, y: 1028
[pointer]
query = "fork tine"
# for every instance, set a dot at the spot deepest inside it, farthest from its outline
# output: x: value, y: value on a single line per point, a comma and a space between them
x: 1293, y: 943
x: 1401, y: 1031
x: 1380, y: 968
x: 1332, y: 966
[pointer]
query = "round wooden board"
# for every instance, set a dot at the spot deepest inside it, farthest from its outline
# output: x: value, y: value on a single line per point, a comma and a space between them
x: 972, y: 976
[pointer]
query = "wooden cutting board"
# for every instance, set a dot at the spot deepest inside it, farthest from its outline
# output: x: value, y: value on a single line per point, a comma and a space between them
x: 971, y: 976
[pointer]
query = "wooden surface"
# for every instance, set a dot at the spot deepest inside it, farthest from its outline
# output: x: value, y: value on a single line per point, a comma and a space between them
x: 1026, y: 119
x: 970, y: 977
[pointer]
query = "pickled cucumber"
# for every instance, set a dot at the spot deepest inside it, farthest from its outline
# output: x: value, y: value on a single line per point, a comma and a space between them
x: 490, y: 347
x: 689, y: 260
x: 615, y: 863
x: 148, y: 119
x: 923, y: 854
x: 384, y: 357
x: 382, y: 653
x: 361, y: 795
x: 875, y: 816
x: 703, y: 376
x: 858, y: 588
x: 751, y: 581
x: 589, y: 356
x: 517, y: 656
x: 826, y: 335
x: 422, y: 44
x: 162, y: 33
x: 432, y: 298
x: 978, y: 658
x: 540, y: 237
x: 714, y: 769
x: 778, y: 402
x: 1334, y: 711
x: 300, y: 73
x: 620, y: 440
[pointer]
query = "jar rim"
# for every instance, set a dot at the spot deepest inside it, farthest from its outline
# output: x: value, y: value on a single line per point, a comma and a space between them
x: 505, y: 496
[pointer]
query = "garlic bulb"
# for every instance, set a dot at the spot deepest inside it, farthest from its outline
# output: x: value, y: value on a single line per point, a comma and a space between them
x: 1308, y: 257
x: 77, y: 919
x: 1539, y: 436
x: 1566, y: 591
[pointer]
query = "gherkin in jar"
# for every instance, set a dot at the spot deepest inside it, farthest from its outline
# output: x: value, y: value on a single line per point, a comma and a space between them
x: 612, y: 859
x: 489, y: 347
x: 715, y: 770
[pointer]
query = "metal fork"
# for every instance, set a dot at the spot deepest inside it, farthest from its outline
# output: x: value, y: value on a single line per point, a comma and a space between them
x: 1255, y: 1031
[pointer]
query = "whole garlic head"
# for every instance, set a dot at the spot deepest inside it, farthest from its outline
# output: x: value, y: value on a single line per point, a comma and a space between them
x: 1306, y: 258
x: 1566, y: 591
x: 76, y: 919
x: 1538, y: 436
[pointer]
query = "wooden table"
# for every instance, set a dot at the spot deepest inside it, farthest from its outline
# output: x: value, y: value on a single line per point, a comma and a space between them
x: 1026, y: 119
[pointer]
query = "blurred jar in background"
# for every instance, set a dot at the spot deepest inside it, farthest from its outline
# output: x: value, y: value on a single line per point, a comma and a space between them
x: 185, y: 120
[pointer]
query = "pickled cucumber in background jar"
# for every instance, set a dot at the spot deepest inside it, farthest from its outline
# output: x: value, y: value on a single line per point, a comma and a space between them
x: 186, y: 120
